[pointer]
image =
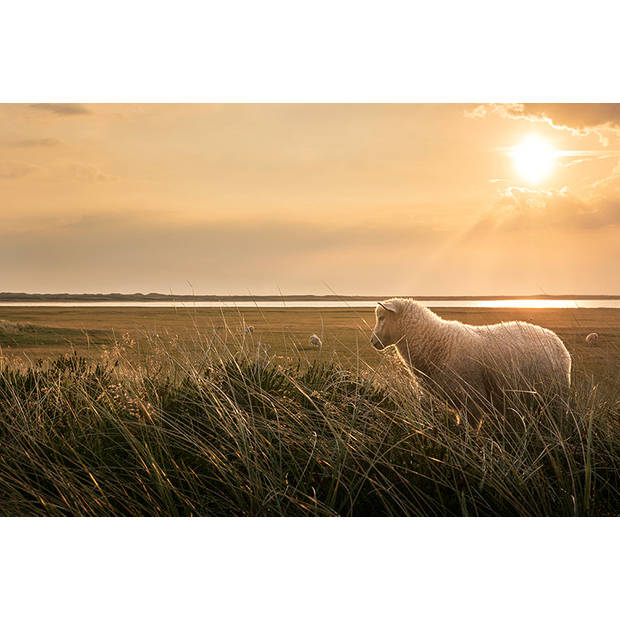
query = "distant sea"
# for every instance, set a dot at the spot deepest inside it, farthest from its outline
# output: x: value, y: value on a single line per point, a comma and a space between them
x: 603, y: 302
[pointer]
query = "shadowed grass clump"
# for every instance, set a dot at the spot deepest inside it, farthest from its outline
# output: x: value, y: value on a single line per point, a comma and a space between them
x: 242, y: 433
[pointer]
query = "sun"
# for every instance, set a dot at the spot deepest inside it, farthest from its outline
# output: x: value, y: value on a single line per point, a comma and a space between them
x: 534, y: 158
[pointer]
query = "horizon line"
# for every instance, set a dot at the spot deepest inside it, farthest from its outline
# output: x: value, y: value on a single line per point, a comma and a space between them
x: 7, y: 296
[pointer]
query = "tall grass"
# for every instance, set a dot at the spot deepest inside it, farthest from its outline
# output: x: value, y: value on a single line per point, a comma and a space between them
x: 230, y: 430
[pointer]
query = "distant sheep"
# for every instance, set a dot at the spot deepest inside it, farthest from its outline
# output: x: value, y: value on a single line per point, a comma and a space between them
x: 315, y: 341
x: 592, y: 338
x: 249, y: 329
x: 466, y: 363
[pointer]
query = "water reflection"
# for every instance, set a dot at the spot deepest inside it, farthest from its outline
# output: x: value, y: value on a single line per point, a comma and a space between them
x: 433, y: 303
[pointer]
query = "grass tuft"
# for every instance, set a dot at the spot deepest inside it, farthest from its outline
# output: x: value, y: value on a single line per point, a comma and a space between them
x: 231, y: 430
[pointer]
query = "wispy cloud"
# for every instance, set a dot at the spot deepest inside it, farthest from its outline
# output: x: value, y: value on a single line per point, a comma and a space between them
x: 34, y: 143
x: 522, y: 208
x: 82, y: 172
x: 580, y: 157
x: 10, y: 170
x: 578, y: 118
x: 566, y: 157
x: 136, y: 251
x: 70, y: 171
x: 62, y: 109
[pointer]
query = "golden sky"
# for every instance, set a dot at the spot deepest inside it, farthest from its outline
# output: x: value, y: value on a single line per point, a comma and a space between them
x: 412, y: 199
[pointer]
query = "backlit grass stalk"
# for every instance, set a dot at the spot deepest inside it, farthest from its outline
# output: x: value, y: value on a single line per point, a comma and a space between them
x: 222, y: 428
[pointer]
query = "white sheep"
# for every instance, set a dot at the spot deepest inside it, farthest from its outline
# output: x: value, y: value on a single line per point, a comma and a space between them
x: 315, y: 341
x: 249, y: 329
x: 473, y: 364
x: 592, y: 338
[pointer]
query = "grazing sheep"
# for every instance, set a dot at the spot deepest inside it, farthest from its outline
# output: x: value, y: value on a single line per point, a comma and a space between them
x: 315, y: 341
x: 249, y: 329
x: 592, y: 338
x: 470, y: 364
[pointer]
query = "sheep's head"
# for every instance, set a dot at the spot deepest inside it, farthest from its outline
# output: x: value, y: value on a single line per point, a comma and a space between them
x: 387, y: 328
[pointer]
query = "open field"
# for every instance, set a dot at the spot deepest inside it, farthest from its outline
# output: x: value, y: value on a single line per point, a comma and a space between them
x: 179, y: 412
x: 345, y: 333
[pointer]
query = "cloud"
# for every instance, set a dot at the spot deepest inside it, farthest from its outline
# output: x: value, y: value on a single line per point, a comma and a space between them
x: 525, y: 209
x: 144, y: 251
x: 147, y: 251
x: 16, y: 169
x: 578, y: 118
x: 45, y: 142
x: 84, y: 172
x: 62, y: 109
x: 270, y: 237
x: 71, y: 171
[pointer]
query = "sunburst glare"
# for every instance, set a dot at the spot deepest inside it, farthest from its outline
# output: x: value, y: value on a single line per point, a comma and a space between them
x: 534, y: 159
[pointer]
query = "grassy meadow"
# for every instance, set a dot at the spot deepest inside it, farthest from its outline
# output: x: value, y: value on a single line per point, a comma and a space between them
x: 160, y: 411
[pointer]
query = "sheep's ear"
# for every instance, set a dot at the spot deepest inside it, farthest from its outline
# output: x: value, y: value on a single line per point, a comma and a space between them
x: 390, y: 306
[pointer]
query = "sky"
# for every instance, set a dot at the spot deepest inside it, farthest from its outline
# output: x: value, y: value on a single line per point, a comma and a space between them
x: 369, y: 199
